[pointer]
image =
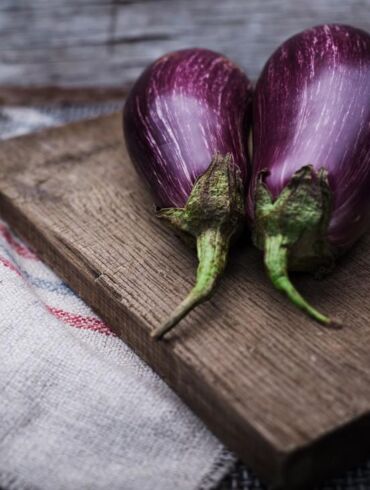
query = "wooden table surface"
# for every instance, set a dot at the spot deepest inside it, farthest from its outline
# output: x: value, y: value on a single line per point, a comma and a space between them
x: 290, y: 397
x: 108, y: 42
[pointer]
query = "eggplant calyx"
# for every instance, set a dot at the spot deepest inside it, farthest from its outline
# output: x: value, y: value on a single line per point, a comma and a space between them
x: 292, y: 230
x: 213, y: 214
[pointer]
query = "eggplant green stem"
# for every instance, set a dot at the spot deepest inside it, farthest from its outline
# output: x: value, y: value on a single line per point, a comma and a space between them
x: 292, y: 230
x: 213, y: 215
x: 212, y: 248
x: 276, y: 262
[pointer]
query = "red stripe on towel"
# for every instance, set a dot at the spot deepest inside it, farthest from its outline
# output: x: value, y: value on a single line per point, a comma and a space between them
x: 80, y: 321
x: 10, y: 265
x: 21, y: 250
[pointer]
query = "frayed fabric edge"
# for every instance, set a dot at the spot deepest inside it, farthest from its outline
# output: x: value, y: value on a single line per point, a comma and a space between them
x: 219, y: 469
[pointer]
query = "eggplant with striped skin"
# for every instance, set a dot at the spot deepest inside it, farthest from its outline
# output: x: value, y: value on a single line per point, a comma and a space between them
x: 309, y: 198
x: 186, y: 122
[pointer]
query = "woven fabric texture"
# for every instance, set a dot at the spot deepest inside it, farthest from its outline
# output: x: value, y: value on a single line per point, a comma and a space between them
x: 78, y: 409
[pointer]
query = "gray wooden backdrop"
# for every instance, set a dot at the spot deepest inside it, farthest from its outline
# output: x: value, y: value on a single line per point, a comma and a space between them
x: 108, y: 42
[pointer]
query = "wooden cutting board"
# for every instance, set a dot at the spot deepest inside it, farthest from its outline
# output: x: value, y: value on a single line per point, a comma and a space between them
x: 290, y: 397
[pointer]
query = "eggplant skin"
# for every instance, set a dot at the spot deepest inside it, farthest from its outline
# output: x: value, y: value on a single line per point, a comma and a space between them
x: 185, y: 108
x: 312, y: 106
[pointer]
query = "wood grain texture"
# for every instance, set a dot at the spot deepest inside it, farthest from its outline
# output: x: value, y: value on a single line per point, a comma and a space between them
x: 108, y: 42
x: 58, y: 96
x: 291, y: 398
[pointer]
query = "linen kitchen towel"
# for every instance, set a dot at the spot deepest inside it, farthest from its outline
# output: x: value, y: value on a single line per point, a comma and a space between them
x: 78, y: 409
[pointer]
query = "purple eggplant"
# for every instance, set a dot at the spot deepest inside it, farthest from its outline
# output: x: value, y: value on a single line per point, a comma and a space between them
x: 186, y: 123
x: 309, y: 198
